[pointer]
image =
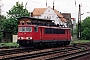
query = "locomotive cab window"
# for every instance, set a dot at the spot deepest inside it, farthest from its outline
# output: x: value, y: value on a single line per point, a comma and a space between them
x: 36, y: 29
x: 28, y: 29
x: 21, y: 29
x: 25, y: 29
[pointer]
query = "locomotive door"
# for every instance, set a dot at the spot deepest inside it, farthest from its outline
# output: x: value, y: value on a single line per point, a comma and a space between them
x: 67, y: 34
x: 40, y: 33
x: 36, y: 33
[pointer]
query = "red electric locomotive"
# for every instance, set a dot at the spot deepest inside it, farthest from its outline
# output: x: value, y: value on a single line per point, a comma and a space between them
x: 41, y: 32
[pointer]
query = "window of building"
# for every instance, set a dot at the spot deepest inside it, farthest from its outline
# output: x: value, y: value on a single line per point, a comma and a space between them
x: 52, y: 17
x: 44, y: 17
x: 48, y: 10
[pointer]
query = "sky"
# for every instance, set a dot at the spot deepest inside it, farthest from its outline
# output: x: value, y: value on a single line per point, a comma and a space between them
x: 63, y: 6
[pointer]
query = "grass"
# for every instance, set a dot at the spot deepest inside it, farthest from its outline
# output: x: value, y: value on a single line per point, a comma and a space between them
x: 80, y: 41
x: 9, y: 44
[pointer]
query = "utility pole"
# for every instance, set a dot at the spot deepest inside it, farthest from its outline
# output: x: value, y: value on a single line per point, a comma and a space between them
x: 26, y: 4
x: 79, y: 22
x: 46, y: 3
x: 0, y: 9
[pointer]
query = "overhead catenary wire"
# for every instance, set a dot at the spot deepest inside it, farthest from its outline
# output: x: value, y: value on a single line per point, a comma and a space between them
x: 37, y: 2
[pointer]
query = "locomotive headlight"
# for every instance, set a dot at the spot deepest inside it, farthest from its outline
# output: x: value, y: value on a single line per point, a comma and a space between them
x: 30, y: 37
x: 18, y: 37
x: 22, y: 38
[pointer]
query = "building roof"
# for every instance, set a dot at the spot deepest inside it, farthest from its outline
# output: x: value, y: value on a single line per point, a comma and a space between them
x: 39, y: 11
x: 63, y: 19
x: 59, y: 14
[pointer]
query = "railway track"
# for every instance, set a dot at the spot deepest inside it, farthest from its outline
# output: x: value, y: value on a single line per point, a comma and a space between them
x: 70, y: 55
x: 67, y: 53
x: 4, y: 52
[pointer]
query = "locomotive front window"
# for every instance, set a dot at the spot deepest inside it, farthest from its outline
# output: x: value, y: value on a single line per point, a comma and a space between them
x: 20, y: 29
x: 25, y: 29
x: 28, y: 29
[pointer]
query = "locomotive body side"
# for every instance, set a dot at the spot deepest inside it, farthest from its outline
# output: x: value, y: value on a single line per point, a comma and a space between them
x: 56, y: 35
x: 30, y: 33
x: 40, y: 34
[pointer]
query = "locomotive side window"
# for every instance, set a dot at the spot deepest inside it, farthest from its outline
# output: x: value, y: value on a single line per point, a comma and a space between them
x: 54, y: 31
x: 48, y: 31
x: 36, y: 29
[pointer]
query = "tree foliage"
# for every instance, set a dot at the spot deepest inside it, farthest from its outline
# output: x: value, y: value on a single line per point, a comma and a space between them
x: 18, y: 10
x: 10, y: 24
x: 2, y: 18
x: 85, y: 29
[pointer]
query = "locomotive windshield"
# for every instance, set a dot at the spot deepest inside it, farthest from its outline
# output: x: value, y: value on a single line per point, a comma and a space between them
x: 25, y: 29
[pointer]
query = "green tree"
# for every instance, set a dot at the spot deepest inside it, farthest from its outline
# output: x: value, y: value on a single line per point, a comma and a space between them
x: 18, y: 10
x: 86, y: 33
x: 85, y: 29
x: 10, y: 28
x: 2, y: 18
x: 10, y: 25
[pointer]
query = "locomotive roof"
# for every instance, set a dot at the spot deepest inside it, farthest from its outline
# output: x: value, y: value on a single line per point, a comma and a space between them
x: 55, y: 27
x: 38, y: 19
x: 46, y: 26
